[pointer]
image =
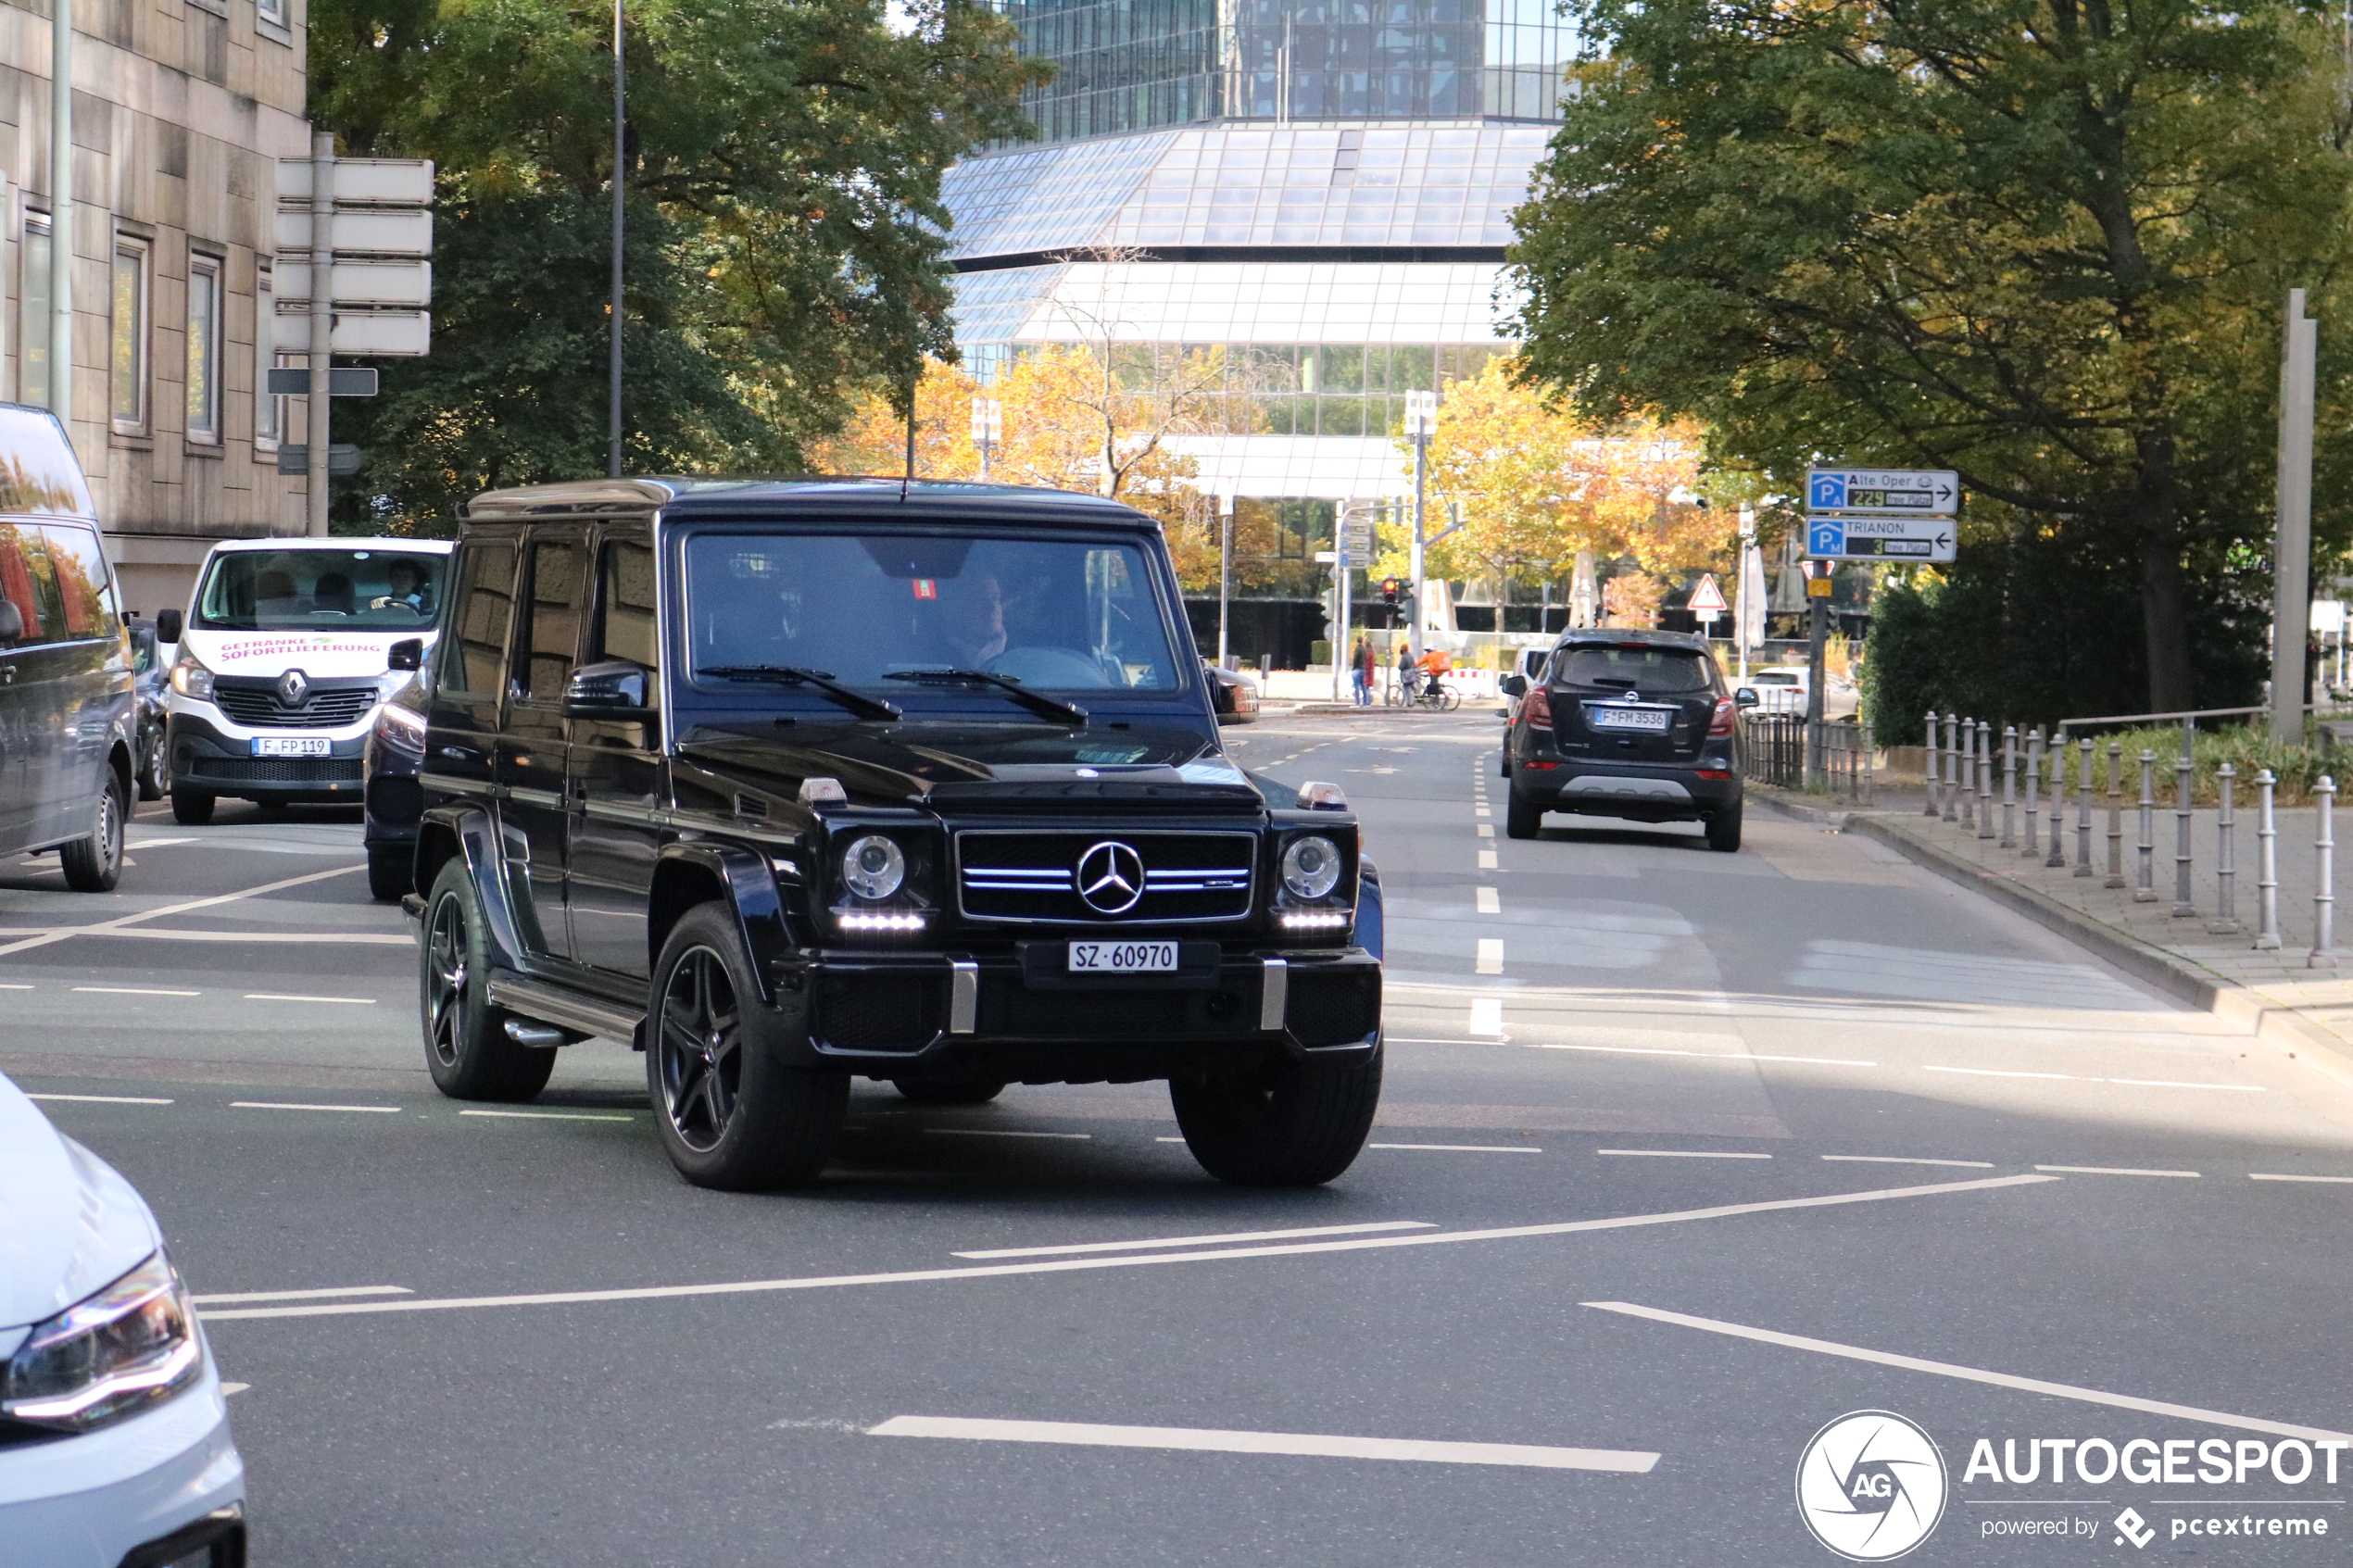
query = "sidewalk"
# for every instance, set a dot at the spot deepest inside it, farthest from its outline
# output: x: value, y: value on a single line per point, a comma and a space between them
x: 2276, y: 993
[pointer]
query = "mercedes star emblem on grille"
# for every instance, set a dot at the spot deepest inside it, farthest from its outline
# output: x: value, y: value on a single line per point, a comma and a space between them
x: 293, y: 686
x: 1110, y: 878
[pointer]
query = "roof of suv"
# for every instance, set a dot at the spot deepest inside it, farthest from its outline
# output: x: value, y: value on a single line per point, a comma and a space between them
x: 924, y: 500
x: 1623, y: 634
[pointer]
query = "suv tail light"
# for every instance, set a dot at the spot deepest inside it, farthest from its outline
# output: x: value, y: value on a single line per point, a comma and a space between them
x: 1538, y: 706
x: 1722, y: 723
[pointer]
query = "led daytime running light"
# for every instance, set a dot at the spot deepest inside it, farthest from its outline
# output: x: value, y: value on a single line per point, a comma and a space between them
x: 1316, y: 919
x: 852, y: 919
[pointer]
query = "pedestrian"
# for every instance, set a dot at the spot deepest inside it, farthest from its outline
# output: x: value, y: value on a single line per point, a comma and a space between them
x: 1404, y: 672
x: 1360, y: 671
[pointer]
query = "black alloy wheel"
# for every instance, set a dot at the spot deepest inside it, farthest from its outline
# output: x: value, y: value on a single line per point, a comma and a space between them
x: 467, y: 1049
x: 730, y: 1115
x: 93, y: 863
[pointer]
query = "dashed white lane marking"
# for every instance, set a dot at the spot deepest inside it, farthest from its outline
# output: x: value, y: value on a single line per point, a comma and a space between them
x: 2168, y: 1084
x: 13, y: 987
x: 227, y: 1388
x: 1490, y: 956
x: 282, y: 1105
x: 1124, y: 1261
x: 2268, y: 1176
x: 2081, y: 1078
x: 555, y: 1115
x: 2111, y: 1171
x: 1911, y: 1159
x: 157, y: 843
x: 1462, y: 1147
x: 1704, y: 1056
x: 1972, y: 1375
x: 1481, y: 811
x: 1487, y: 859
x: 998, y: 1133
x: 1486, y: 830
x: 133, y: 991
x: 103, y: 1099
x: 1486, y: 1016
x: 302, y: 1295
x: 1998, y: 1072
x: 115, y: 926
x: 1313, y: 1445
x: 1683, y: 1154
x: 1489, y: 901
x: 282, y: 996
x: 1199, y: 1240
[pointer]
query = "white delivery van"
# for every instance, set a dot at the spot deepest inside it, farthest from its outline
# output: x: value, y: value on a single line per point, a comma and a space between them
x: 281, y: 665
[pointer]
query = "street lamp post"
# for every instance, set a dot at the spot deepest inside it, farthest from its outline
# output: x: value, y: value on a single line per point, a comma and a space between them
x: 989, y: 428
x: 1224, y: 570
x: 1421, y: 423
x: 620, y: 153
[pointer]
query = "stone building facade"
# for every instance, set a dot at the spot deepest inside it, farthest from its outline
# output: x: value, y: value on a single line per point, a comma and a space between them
x: 181, y: 108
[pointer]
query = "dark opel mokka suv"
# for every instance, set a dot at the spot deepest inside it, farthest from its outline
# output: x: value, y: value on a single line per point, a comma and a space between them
x: 1626, y: 723
x: 791, y: 782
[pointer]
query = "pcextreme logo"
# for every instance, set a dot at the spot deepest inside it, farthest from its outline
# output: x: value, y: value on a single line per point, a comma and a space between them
x: 1871, y: 1486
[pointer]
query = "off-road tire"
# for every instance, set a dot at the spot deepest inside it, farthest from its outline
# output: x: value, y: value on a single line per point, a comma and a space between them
x: 193, y: 807
x: 730, y: 1114
x: 1522, y: 819
x: 93, y: 863
x: 930, y: 1093
x: 467, y: 1049
x: 1297, y: 1123
x: 1724, y: 830
x: 392, y: 871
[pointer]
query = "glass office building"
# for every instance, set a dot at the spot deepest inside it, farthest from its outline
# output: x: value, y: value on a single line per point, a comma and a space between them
x: 1322, y: 188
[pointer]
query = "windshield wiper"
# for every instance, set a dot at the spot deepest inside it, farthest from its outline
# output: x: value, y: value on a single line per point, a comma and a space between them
x: 793, y: 675
x: 1037, y: 702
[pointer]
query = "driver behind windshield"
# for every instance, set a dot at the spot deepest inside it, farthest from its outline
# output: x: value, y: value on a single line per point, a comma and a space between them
x: 961, y: 620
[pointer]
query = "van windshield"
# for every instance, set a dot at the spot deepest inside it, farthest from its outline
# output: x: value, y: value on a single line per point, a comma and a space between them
x: 1057, y: 614
x: 320, y: 591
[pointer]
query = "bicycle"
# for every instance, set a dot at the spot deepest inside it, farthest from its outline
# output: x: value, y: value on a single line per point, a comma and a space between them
x: 1437, y: 698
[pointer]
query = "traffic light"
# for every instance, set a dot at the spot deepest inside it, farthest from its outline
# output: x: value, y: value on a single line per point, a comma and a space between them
x: 1389, y: 588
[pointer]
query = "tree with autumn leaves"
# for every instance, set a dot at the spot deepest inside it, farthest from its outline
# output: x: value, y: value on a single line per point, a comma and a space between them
x: 1537, y: 486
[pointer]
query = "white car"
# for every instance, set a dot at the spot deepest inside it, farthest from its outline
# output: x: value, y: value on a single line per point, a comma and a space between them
x: 114, y: 1436
x: 1784, y: 690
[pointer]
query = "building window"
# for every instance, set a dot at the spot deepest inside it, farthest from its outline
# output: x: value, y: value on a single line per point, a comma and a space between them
x: 127, y: 347
x: 271, y: 11
x: 203, y: 349
x: 268, y: 412
x: 33, y: 334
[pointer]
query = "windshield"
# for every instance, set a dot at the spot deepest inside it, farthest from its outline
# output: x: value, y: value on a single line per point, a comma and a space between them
x: 1075, y: 615
x: 320, y: 591
x: 1635, y: 667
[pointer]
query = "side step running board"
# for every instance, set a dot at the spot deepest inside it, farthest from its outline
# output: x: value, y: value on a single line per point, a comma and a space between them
x: 565, y: 1009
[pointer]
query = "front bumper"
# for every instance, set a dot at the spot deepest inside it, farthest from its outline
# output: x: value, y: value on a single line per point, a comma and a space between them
x: 156, y: 1489
x: 1012, y: 1017
x: 204, y: 751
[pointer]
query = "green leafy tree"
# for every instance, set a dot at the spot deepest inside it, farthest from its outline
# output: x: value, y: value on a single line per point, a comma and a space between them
x: 786, y: 237
x: 2042, y: 242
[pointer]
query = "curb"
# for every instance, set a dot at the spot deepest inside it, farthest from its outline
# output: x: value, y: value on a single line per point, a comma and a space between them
x: 2270, y: 1021
x: 1790, y: 805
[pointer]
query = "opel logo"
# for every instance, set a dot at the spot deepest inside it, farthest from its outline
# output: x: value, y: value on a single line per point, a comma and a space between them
x: 293, y: 686
x: 1110, y: 878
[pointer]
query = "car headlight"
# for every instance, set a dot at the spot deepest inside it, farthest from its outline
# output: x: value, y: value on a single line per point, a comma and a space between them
x: 190, y: 678
x: 401, y: 726
x: 874, y: 867
x: 1311, y: 868
x: 108, y: 1356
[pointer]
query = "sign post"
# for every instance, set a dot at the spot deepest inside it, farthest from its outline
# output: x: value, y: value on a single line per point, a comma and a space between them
x: 1818, y: 622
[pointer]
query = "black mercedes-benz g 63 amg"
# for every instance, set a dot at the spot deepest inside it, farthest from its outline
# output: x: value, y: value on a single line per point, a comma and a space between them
x: 787, y: 782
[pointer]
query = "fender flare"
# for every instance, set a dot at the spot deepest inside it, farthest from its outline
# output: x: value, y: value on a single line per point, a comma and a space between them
x: 1369, y: 934
x: 752, y: 894
x: 477, y: 835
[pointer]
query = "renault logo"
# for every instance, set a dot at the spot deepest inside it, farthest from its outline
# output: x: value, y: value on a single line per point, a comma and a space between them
x: 1110, y: 878
x: 293, y: 686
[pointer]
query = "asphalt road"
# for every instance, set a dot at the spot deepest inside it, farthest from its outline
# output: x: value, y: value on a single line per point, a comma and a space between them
x: 1682, y: 1156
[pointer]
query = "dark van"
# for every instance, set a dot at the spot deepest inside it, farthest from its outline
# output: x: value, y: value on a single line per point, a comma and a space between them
x: 68, y: 716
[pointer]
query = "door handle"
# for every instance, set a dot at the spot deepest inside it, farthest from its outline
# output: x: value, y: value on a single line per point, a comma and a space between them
x: 462, y: 754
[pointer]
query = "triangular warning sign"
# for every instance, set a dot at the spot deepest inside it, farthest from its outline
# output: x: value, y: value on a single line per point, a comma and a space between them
x: 1708, y: 599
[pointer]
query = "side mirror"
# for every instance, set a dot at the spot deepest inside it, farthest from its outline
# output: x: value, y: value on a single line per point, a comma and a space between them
x: 168, y: 626
x: 615, y: 689
x: 409, y: 653
x: 1513, y: 686
x: 1745, y: 697
x: 11, y: 623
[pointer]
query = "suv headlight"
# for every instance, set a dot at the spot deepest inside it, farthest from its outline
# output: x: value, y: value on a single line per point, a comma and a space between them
x: 874, y: 867
x: 109, y: 1357
x: 400, y: 726
x: 1310, y: 867
x: 190, y: 678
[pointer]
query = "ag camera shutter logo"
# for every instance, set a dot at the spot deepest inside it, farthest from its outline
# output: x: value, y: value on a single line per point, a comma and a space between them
x: 1871, y: 1486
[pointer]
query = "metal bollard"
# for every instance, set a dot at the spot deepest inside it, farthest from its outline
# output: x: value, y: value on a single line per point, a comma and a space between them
x: 1871, y: 773
x: 2226, y: 915
x: 2058, y: 816
x: 2033, y: 801
x: 2115, y: 815
x: 2185, y: 906
x: 1968, y: 774
x: 2145, y: 890
x: 2009, y: 786
x: 2323, y: 953
x: 2267, y: 864
x: 1928, y: 767
x: 1985, y: 778
x: 1951, y: 719
x: 2084, y: 814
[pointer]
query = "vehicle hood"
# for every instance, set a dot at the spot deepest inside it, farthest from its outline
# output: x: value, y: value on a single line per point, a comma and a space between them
x: 314, y: 653
x: 69, y: 1221
x: 964, y: 765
